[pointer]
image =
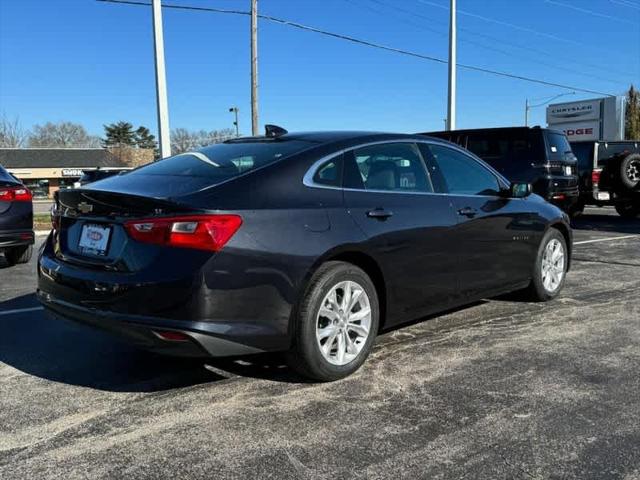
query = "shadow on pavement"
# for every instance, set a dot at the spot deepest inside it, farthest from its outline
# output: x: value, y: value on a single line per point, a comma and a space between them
x: 606, y: 223
x: 61, y: 351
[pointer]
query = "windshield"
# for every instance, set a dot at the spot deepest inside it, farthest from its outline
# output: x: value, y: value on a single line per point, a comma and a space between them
x: 224, y: 160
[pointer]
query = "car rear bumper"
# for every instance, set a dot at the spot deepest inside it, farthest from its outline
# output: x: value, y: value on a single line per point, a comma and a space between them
x: 16, y: 238
x: 565, y: 199
x: 203, y: 339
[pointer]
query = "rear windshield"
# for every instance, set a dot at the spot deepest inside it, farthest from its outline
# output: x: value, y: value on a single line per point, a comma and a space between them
x: 608, y: 150
x: 224, y: 160
x: 558, y: 145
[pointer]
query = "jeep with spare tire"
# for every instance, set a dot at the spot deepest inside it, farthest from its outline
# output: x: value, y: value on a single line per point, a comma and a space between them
x: 609, y: 174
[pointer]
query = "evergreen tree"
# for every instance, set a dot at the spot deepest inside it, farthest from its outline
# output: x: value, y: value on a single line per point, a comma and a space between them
x: 632, y: 115
x: 119, y: 134
x: 144, y: 139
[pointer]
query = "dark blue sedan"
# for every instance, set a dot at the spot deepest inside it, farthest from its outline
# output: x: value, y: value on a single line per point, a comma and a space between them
x: 309, y: 243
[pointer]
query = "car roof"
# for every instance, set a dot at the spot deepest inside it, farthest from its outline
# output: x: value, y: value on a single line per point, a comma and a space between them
x: 337, y: 136
x: 496, y: 130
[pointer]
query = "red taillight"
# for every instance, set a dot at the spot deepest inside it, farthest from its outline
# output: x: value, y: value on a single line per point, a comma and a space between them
x: 171, y: 336
x: 202, y: 232
x: 595, y: 176
x: 15, y: 194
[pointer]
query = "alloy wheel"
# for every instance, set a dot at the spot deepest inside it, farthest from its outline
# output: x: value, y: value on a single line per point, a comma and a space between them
x: 343, y: 323
x: 553, y: 265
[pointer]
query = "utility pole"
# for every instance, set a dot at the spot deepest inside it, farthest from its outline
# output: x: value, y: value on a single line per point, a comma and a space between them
x: 451, y: 104
x: 526, y: 112
x: 235, y: 110
x: 161, y: 82
x: 254, y: 67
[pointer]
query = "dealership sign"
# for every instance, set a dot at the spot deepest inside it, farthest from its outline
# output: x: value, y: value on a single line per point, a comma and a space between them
x: 598, y: 119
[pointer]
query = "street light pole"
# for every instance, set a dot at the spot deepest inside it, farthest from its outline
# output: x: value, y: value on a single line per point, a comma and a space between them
x: 161, y: 82
x: 254, y: 67
x: 528, y: 106
x: 451, y: 104
x: 235, y: 111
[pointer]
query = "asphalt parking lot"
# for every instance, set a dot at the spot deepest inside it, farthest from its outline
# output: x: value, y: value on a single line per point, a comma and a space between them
x: 501, y: 389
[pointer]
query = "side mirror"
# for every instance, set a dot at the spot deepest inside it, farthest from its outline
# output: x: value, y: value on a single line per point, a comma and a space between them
x: 521, y: 190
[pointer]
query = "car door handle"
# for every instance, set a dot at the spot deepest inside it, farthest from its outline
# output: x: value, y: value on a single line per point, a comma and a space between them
x: 379, y: 214
x: 468, y: 212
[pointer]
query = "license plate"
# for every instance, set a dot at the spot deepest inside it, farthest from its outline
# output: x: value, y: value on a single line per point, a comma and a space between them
x: 567, y: 170
x: 604, y: 196
x: 94, y: 239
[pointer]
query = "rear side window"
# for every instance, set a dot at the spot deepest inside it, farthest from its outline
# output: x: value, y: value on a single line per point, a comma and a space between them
x: 488, y: 148
x: 224, y: 160
x: 462, y: 174
x: 389, y: 167
x: 558, y: 145
x: 500, y: 149
x: 330, y: 173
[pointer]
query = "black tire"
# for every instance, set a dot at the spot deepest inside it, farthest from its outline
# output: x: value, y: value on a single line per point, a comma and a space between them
x: 305, y: 356
x: 630, y: 171
x: 16, y: 255
x: 536, y: 291
x: 628, y: 209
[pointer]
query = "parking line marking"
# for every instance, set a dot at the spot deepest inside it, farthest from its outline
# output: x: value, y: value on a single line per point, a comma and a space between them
x: 608, y: 239
x: 21, y: 310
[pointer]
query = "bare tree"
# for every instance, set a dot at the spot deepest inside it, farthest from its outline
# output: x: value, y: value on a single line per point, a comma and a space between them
x: 12, y: 135
x: 62, y: 134
x: 183, y: 140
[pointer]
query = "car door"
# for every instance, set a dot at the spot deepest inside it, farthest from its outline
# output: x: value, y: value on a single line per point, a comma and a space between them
x: 409, y: 228
x: 495, y: 235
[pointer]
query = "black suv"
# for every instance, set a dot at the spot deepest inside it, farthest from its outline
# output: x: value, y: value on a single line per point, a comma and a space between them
x: 610, y: 175
x: 16, y: 219
x: 539, y: 156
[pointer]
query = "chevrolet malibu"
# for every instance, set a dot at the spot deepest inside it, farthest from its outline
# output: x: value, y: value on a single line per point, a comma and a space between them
x: 308, y: 243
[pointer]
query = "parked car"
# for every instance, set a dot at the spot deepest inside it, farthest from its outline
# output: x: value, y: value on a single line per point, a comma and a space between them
x: 539, y: 156
x: 307, y: 243
x: 16, y: 219
x: 90, y: 176
x: 610, y: 175
x: 39, y: 195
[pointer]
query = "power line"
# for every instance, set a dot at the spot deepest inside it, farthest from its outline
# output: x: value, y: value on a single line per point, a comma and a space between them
x: 626, y: 3
x: 490, y: 38
x: 510, y: 43
x: 517, y: 27
x: 504, y: 24
x: 367, y: 43
x: 591, y: 12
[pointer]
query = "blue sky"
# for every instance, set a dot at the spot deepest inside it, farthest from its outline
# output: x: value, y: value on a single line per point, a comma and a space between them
x: 92, y: 63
